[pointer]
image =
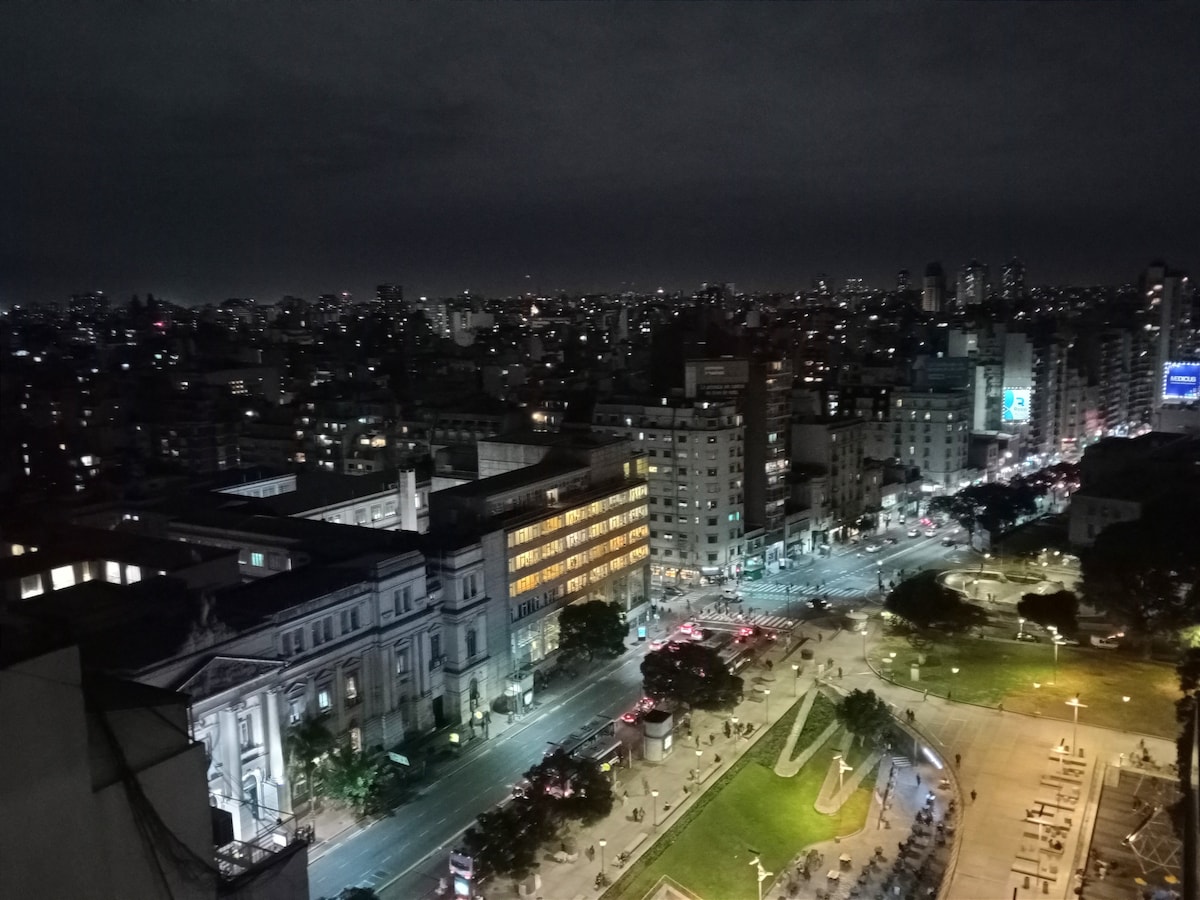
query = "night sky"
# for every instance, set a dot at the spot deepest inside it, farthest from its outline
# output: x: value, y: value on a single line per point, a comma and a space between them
x: 210, y: 150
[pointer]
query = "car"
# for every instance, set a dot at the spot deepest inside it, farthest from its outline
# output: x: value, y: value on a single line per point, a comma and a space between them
x: 948, y: 541
x: 889, y: 541
x: 1065, y: 641
x: 930, y: 532
x: 873, y: 548
x: 672, y: 591
x: 658, y: 643
x: 1027, y: 637
x: 914, y: 532
x: 687, y: 627
x: 731, y: 595
x: 639, y: 710
x: 818, y: 603
x: 1106, y: 643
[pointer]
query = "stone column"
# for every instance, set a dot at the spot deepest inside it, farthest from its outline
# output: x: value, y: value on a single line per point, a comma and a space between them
x: 231, y: 768
x: 273, y: 735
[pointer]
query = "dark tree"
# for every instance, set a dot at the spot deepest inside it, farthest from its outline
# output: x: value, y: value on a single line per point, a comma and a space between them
x: 692, y: 675
x: 865, y: 715
x: 926, y: 604
x: 355, y: 779
x: 1060, y: 609
x: 1146, y: 574
x: 593, y: 629
x: 570, y: 788
x: 506, y: 840
x: 993, y: 506
x: 309, y: 742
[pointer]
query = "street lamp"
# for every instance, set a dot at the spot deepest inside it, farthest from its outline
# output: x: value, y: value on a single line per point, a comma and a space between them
x: 1056, y: 641
x: 766, y: 704
x: 603, y: 843
x: 699, y: 753
x: 795, y: 679
x: 1076, y: 706
x: 736, y: 732
x: 863, y: 632
x: 761, y: 873
x: 654, y: 805
x: 842, y: 770
x: 1020, y: 625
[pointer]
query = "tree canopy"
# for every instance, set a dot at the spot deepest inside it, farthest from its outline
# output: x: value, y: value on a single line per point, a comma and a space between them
x: 1146, y: 573
x: 355, y: 779
x: 924, y: 603
x: 570, y: 788
x: 865, y: 715
x: 593, y: 629
x: 506, y: 839
x: 993, y: 506
x: 690, y: 674
x: 308, y: 742
x: 1060, y: 609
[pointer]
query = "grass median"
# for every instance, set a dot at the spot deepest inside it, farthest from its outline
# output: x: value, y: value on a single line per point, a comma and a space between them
x: 994, y: 672
x: 708, y: 851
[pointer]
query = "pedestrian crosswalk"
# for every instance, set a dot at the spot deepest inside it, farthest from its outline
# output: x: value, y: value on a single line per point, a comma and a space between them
x: 776, y: 623
x: 799, y: 592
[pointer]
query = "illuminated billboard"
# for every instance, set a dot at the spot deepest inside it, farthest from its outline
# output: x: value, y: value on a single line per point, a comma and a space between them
x: 1016, y: 405
x: 1181, y: 382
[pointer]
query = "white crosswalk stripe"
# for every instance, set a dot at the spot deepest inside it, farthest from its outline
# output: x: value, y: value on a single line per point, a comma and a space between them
x: 773, y: 589
x: 774, y: 622
x: 901, y: 762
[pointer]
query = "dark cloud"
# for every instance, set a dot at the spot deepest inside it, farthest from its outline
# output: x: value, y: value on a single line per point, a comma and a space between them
x: 211, y: 150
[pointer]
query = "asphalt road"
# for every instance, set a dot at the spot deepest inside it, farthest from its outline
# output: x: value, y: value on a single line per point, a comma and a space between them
x: 404, y: 855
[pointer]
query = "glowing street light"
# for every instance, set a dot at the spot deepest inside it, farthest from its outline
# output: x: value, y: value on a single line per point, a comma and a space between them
x: 762, y: 874
x: 654, y: 805
x: 842, y: 770
x: 795, y: 679
x: 736, y: 732
x: 1076, y: 706
x: 766, y: 704
x: 603, y: 843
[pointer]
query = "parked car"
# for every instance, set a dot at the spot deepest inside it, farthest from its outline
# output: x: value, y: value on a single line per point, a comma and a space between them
x: 1106, y: 643
x: 873, y: 548
x: 948, y: 541
x: 1026, y: 636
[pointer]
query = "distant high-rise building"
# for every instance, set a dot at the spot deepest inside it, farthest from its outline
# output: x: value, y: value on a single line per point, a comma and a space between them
x: 933, y: 292
x: 902, y: 281
x: 1012, y: 280
x: 973, y: 284
x: 390, y: 296
x: 1168, y: 300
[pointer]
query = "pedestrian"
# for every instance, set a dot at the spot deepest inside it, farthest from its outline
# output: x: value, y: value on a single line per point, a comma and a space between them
x: 1000, y: 707
x: 645, y: 785
x: 973, y: 795
x: 949, y: 694
x: 957, y: 759
x: 926, y: 696
x: 820, y: 636
x: 712, y: 738
x: 591, y: 853
x: 839, y: 671
x: 918, y: 779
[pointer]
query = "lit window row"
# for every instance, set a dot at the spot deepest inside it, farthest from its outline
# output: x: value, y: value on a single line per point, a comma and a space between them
x: 576, y: 516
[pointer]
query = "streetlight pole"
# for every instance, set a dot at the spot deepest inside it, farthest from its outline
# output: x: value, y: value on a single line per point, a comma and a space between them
x: 736, y: 731
x: 699, y: 753
x: 795, y: 679
x: 766, y: 705
x: 842, y: 770
x: 761, y: 874
x: 603, y: 843
x: 863, y: 631
x: 1076, y: 706
x: 654, y: 805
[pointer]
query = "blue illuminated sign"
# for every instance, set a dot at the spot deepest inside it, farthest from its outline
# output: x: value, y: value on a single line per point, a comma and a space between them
x: 1181, y: 381
x: 1016, y: 405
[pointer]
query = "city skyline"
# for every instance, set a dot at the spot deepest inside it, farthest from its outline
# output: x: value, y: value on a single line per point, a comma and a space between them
x: 202, y: 153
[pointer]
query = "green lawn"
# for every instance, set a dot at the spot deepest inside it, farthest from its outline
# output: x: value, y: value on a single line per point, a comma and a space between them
x: 992, y: 672
x: 708, y: 850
